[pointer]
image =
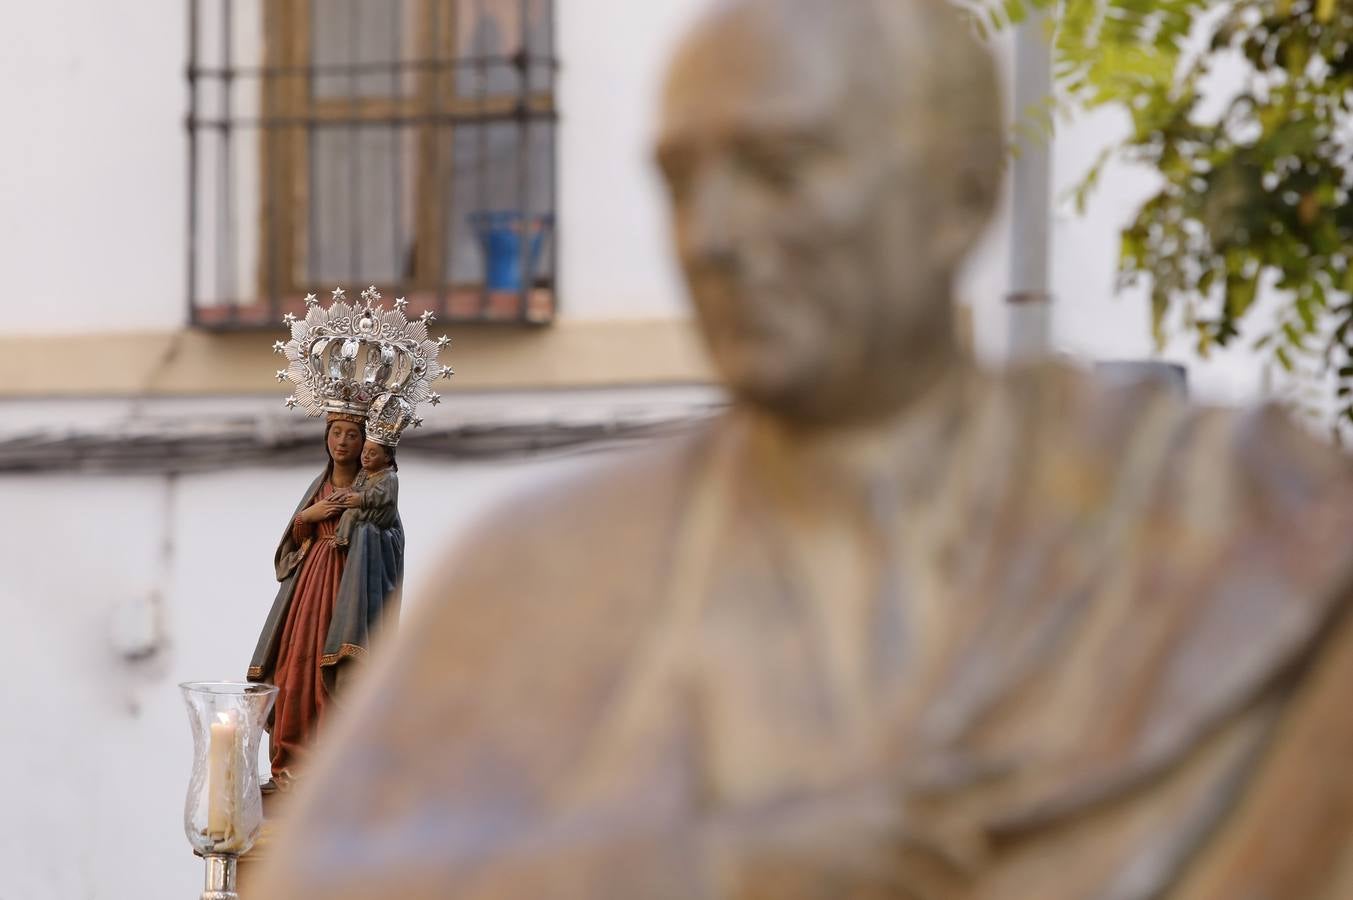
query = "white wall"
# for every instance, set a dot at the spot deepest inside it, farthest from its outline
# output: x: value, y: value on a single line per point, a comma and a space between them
x: 1089, y: 320
x: 92, y: 183
x: 92, y: 167
x: 97, y: 746
x: 95, y: 569
x: 613, y: 226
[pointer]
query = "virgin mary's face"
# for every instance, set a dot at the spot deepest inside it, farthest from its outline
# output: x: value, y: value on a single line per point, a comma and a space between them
x: 345, y: 442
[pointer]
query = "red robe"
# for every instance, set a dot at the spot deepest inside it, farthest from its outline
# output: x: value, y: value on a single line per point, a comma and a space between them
x: 302, y: 696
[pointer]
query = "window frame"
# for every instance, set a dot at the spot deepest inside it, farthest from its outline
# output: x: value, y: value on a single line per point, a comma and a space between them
x: 290, y: 113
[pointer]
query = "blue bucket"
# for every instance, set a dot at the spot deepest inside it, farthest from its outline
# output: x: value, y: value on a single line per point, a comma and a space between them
x: 500, y: 234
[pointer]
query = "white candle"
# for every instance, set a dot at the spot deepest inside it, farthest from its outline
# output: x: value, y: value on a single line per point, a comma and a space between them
x: 221, y: 774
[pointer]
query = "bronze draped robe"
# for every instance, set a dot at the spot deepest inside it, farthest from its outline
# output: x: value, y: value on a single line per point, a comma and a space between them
x: 367, y: 595
x: 1095, y: 644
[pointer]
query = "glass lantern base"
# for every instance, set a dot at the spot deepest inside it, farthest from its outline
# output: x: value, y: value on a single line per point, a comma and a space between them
x: 221, y: 881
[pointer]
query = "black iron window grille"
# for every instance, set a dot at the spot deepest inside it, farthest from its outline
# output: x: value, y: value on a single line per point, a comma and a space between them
x: 408, y: 144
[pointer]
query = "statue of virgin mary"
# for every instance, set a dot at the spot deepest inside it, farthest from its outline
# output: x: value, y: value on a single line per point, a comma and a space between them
x: 366, y: 369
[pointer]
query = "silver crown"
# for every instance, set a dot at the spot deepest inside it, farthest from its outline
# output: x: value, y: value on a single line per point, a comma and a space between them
x: 362, y: 361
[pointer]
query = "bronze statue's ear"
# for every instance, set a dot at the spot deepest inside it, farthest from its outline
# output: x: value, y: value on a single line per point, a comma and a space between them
x: 956, y: 233
x: 965, y: 214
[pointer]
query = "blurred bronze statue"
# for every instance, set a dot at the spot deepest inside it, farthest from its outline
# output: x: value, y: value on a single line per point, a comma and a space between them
x: 889, y: 627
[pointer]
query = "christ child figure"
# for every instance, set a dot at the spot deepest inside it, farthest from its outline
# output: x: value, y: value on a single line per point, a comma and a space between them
x: 374, y: 494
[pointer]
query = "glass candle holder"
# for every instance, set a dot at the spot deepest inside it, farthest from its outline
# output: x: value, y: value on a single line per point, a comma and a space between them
x: 224, y: 810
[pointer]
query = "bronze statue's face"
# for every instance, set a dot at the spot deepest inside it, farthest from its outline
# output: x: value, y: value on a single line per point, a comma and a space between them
x: 345, y: 442
x: 814, y: 236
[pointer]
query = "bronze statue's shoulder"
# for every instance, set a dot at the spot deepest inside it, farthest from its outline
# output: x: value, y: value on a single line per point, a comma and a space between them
x: 1183, y: 569
x: 1215, y: 562
x: 636, y: 486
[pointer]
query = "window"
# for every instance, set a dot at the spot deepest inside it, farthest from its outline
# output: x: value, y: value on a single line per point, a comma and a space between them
x: 407, y: 144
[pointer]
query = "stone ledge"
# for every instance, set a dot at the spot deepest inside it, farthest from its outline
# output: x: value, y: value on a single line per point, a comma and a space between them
x: 198, y: 363
x: 163, y: 442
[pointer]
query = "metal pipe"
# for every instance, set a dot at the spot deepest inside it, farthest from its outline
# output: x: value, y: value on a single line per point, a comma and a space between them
x: 442, y: 143
x: 354, y: 153
x: 526, y: 237
x: 227, y: 258
x: 1029, y: 299
x: 191, y: 122
x: 552, y: 195
x: 397, y: 148
x: 482, y: 202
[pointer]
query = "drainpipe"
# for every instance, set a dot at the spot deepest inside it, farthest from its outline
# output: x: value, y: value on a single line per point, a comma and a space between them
x: 1029, y: 301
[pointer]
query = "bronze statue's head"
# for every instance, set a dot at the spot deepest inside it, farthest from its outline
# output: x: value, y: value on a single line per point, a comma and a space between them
x: 830, y: 163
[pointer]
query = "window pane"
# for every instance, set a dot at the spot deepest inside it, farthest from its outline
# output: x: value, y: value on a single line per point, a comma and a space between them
x: 489, y: 32
x: 370, y: 37
x: 362, y: 213
x: 488, y: 177
x: 322, y: 158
